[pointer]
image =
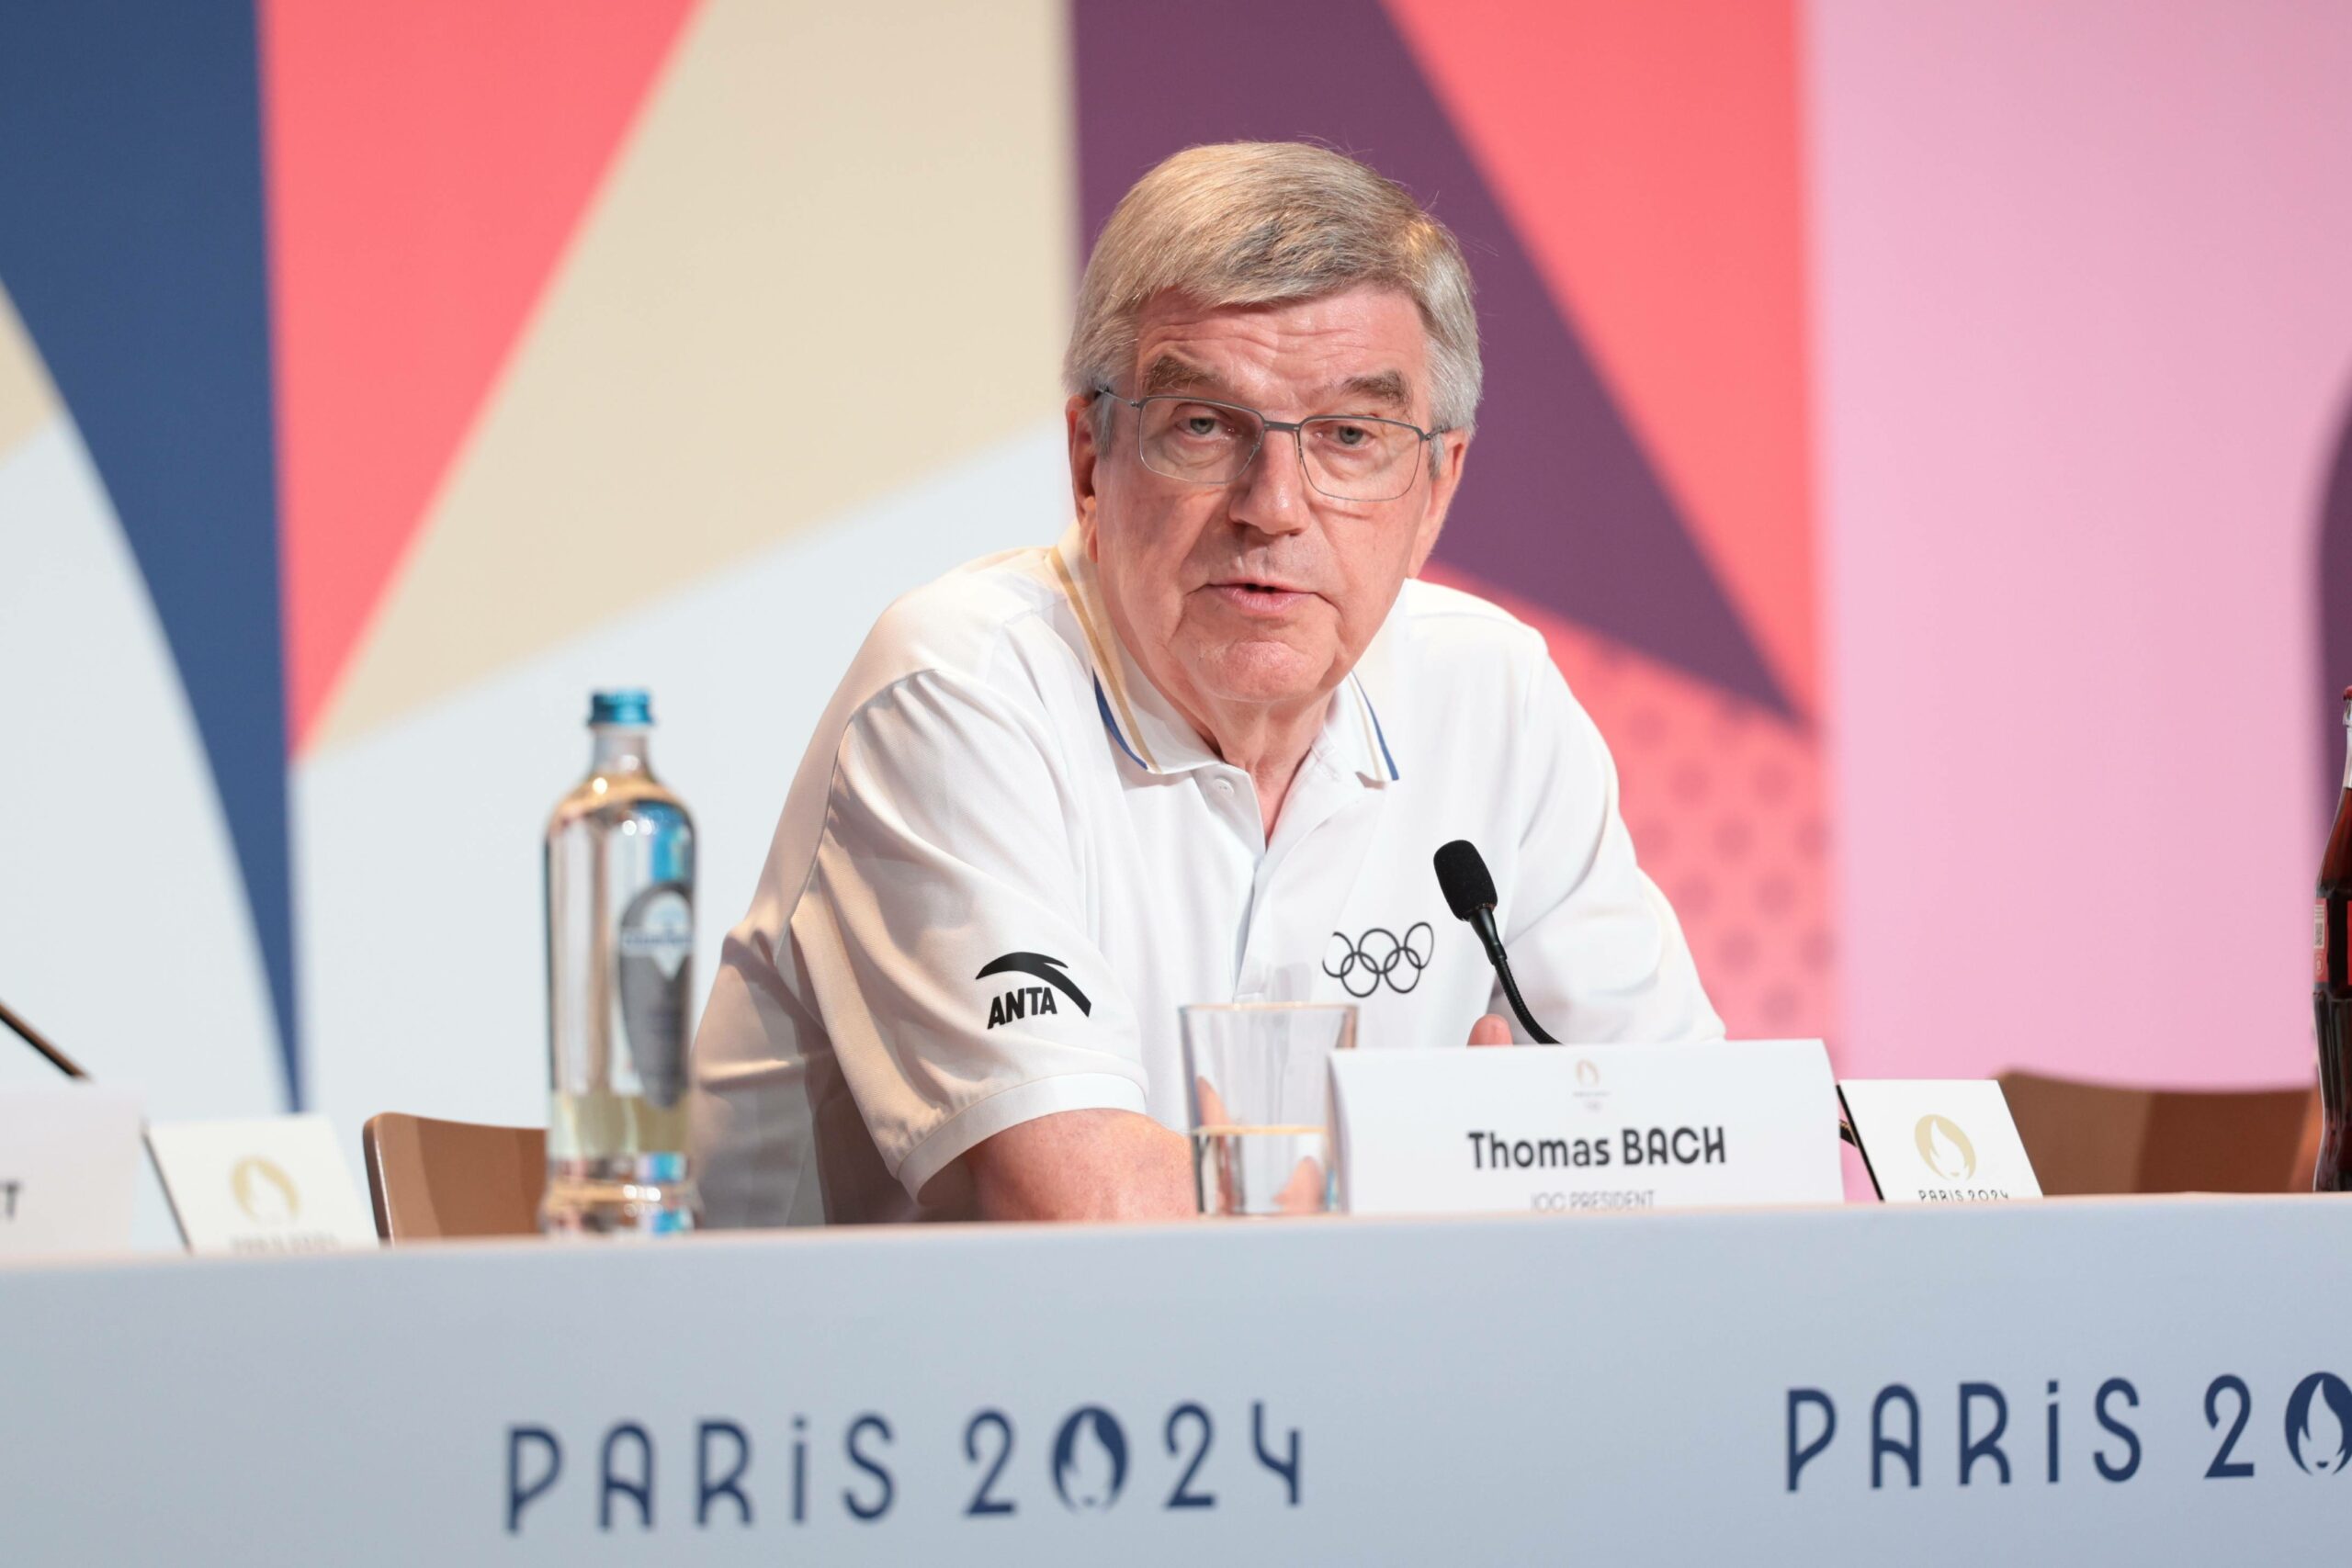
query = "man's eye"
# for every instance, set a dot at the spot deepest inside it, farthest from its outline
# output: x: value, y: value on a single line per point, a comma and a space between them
x: 1197, y: 421
x: 1345, y: 439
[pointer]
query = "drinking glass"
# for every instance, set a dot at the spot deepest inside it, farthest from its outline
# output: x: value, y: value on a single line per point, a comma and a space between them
x: 1259, y: 1081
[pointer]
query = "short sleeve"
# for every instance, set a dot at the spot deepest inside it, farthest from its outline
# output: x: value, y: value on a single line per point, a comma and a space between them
x: 1594, y: 946
x: 942, y: 930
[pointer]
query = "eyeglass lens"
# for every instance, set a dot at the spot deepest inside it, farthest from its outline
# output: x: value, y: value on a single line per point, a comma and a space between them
x: 1347, y: 457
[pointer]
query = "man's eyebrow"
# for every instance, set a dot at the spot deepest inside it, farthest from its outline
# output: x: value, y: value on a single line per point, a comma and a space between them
x: 1169, y: 374
x: 1381, y: 387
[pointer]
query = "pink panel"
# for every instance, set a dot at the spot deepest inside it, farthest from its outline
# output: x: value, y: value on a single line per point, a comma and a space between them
x: 2083, y: 338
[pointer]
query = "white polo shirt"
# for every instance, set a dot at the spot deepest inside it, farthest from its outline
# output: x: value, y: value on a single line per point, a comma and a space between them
x: 1006, y: 862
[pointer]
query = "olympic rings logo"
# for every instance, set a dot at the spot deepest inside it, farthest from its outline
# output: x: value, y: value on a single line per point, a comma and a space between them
x: 1361, y: 966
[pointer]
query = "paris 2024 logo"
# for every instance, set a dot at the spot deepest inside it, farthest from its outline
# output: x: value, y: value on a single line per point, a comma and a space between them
x: 2318, y: 1424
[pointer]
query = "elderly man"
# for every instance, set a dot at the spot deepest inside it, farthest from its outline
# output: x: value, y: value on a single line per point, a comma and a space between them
x: 1199, y: 750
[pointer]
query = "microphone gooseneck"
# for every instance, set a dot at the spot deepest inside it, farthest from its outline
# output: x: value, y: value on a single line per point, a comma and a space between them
x: 31, y: 1036
x: 1469, y: 891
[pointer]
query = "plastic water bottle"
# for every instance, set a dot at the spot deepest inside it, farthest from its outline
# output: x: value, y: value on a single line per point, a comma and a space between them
x: 620, y: 894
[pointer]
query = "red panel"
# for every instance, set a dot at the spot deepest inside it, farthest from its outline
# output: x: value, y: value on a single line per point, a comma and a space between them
x: 1725, y: 801
x: 428, y: 160
x: 1648, y: 155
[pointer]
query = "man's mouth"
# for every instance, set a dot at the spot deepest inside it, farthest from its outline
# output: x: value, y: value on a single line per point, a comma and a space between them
x: 1258, y: 596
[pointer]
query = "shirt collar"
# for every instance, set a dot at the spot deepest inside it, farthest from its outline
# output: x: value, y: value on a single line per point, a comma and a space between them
x: 1147, y: 730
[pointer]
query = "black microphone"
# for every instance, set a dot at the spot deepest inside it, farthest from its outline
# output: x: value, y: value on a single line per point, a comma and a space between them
x: 57, y: 1058
x: 1470, y: 894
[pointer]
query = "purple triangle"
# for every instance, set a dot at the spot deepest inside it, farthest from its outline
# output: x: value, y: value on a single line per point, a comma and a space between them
x: 1560, y: 502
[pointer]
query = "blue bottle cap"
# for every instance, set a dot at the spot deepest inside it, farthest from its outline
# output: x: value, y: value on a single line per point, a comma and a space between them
x: 633, y: 705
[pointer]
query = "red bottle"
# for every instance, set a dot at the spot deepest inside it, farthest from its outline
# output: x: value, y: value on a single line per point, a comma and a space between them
x: 2332, y: 988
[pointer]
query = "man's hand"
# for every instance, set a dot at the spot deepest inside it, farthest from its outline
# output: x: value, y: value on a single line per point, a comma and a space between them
x: 1491, y: 1030
x: 1084, y: 1164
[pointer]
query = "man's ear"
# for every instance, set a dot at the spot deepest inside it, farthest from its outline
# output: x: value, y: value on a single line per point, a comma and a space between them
x: 1456, y: 446
x: 1077, y: 413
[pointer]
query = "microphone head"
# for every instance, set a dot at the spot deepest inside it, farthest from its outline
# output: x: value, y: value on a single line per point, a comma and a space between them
x: 1462, y: 873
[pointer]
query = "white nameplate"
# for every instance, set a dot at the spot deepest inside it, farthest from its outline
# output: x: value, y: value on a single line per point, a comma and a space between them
x: 1938, y: 1140
x: 275, y: 1184
x: 1557, y: 1129
x: 69, y: 1166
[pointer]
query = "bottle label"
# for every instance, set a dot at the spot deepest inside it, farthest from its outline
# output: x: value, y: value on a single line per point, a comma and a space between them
x: 657, y: 939
x: 2319, y: 944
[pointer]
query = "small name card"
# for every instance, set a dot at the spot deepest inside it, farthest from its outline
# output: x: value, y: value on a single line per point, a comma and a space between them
x: 69, y: 1167
x: 275, y: 1184
x: 1558, y: 1129
x: 1938, y: 1140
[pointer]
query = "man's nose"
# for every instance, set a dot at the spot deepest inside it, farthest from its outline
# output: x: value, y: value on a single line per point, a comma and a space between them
x: 1272, y: 495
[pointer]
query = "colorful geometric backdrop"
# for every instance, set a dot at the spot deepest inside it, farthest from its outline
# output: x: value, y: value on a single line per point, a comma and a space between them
x: 1916, y: 429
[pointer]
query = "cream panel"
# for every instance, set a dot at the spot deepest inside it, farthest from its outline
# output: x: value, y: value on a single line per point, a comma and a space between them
x: 27, y: 399
x: 835, y: 256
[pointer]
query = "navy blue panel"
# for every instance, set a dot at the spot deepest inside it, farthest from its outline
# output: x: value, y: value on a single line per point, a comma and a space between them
x: 132, y: 241
x: 1559, y: 503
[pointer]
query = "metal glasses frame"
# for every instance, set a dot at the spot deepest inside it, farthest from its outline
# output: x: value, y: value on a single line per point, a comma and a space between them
x: 1295, y: 428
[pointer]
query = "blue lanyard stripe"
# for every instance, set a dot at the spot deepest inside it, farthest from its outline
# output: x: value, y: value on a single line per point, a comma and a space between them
x: 1103, y: 702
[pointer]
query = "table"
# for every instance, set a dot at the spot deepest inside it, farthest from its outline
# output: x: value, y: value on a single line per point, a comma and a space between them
x: 1669, y: 1388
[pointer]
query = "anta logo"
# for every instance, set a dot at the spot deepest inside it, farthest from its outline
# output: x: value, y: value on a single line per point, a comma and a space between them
x: 1031, y: 1001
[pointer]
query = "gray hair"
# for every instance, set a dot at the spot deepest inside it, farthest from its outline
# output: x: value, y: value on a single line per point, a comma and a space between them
x: 1267, y: 223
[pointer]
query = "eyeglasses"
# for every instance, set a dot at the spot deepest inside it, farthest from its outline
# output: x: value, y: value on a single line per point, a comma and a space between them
x: 1346, y: 456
